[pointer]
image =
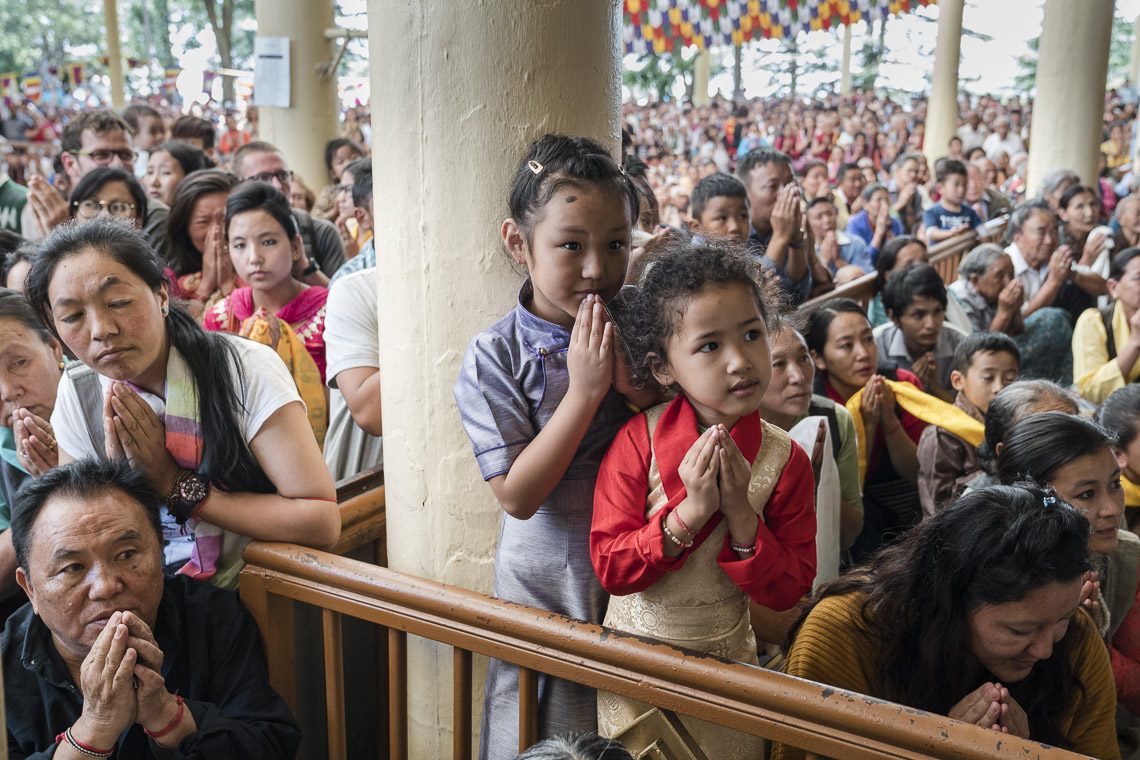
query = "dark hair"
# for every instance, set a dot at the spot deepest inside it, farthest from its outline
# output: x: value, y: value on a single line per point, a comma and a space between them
x: 1120, y: 414
x: 332, y: 146
x: 638, y: 173
x: 564, y: 161
x: 1012, y: 403
x: 990, y: 546
x: 1071, y: 193
x: 180, y: 253
x: 262, y: 196
x: 674, y: 274
x: 872, y: 188
x: 188, y: 157
x: 214, y: 364
x: 758, y: 157
x: 820, y: 318
x: 848, y: 167
x: 132, y: 113
x: 587, y: 746
x: 10, y: 241
x: 1040, y: 444
x: 909, y: 283
x: 193, y: 128
x: 94, y: 181
x: 71, y: 139
x: 718, y: 185
x: 811, y: 163
x: 362, y: 184
x: 889, y: 255
x: 984, y: 341
x: 1118, y: 263
x: 1022, y: 213
x: 25, y: 253
x: 947, y: 168
x: 80, y: 480
x: 13, y: 305
x: 821, y: 201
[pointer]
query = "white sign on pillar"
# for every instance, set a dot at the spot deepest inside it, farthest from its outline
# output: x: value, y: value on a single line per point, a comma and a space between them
x: 271, y: 85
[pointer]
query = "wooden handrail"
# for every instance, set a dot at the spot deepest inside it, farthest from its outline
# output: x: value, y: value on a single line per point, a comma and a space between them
x: 944, y: 256
x: 362, y: 516
x: 816, y: 717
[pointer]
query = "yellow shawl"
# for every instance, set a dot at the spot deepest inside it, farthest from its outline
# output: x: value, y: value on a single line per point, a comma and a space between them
x: 931, y: 410
x: 301, y: 366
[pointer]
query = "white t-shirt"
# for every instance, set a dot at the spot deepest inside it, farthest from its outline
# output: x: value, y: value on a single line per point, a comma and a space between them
x: 267, y: 387
x: 351, y: 340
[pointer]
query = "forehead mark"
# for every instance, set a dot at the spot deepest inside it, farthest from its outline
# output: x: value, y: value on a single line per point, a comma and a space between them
x: 571, y: 198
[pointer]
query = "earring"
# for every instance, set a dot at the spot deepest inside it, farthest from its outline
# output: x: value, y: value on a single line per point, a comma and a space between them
x: 62, y: 365
x: 165, y: 311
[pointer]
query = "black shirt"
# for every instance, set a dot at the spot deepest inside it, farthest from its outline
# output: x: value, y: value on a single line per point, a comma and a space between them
x: 212, y: 657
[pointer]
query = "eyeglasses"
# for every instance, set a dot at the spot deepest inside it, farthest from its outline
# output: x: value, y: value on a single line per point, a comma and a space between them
x: 91, y: 208
x: 102, y: 157
x: 343, y: 189
x: 284, y: 177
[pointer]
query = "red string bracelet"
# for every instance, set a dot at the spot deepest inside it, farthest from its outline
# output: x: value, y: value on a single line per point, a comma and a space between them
x: 80, y: 747
x: 692, y: 533
x: 156, y: 735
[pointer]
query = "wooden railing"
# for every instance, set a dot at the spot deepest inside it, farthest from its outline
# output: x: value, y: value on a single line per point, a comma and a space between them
x: 362, y: 517
x: 818, y: 718
x: 944, y: 257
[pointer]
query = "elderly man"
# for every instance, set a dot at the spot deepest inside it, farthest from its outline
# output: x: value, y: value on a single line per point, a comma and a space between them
x: 111, y: 658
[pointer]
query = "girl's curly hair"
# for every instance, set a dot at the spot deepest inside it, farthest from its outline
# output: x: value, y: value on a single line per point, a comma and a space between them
x: 646, y: 317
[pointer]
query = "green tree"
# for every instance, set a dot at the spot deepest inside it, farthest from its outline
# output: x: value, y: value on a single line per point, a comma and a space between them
x: 656, y: 74
x: 1119, y: 56
x: 38, y: 34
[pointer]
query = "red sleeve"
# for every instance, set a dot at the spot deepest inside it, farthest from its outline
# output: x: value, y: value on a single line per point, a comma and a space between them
x: 913, y: 425
x: 783, y: 567
x: 1124, y: 652
x: 628, y: 552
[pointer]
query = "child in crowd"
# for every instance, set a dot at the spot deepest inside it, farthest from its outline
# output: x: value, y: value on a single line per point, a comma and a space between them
x: 1120, y: 415
x: 719, y: 208
x: 834, y: 247
x: 949, y: 216
x: 535, y: 398
x: 701, y: 505
x: 984, y: 364
x: 1106, y: 341
x: 918, y: 338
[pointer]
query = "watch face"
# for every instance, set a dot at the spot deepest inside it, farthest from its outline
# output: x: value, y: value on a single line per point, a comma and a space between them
x: 192, y: 489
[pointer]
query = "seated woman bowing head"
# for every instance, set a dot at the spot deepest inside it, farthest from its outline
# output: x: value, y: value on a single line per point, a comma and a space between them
x: 214, y: 421
x: 974, y: 614
x: 111, y: 658
x: 276, y: 308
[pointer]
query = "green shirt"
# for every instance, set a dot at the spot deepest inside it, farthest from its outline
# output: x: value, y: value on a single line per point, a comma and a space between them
x: 13, y: 198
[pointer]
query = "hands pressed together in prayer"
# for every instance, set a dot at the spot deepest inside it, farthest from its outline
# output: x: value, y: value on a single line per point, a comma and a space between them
x: 716, y: 477
x: 122, y: 685
x: 133, y: 431
x: 36, y: 447
x: 992, y: 706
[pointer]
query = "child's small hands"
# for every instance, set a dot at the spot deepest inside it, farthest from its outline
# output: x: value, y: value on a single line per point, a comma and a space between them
x: 1089, y: 588
x: 735, y: 475
x: 590, y: 360
x: 698, y: 470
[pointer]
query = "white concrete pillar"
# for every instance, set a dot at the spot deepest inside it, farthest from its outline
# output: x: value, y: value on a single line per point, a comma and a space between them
x: 1072, y: 65
x: 313, y: 117
x: 459, y: 88
x: 114, y: 54
x: 1134, y: 58
x: 845, y: 71
x: 942, y: 110
x: 702, y: 70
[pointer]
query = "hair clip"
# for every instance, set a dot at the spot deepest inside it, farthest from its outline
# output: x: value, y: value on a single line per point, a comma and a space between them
x: 1049, y: 501
x: 534, y: 166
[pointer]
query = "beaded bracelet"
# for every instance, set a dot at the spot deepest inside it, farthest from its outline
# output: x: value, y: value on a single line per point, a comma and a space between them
x: 669, y: 535
x: 156, y: 735
x: 82, y: 748
x: 743, y: 549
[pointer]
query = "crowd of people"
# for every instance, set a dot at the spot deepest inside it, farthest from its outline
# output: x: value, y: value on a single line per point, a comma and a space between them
x: 698, y: 431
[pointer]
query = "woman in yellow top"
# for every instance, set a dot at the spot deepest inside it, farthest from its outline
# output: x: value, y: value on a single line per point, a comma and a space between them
x: 1120, y: 415
x: 1115, y: 148
x: 976, y: 615
x: 1106, y: 342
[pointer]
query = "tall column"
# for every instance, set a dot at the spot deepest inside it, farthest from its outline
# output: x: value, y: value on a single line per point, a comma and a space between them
x: 1134, y: 59
x: 1072, y: 65
x: 459, y: 88
x: 313, y: 116
x: 942, y: 111
x: 702, y: 70
x: 845, y: 72
x: 114, y: 54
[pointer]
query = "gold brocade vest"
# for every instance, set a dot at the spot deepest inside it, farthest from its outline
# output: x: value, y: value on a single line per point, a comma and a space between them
x: 696, y: 607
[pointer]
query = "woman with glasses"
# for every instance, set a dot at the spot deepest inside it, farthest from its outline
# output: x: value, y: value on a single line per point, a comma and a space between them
x: 108, y: 191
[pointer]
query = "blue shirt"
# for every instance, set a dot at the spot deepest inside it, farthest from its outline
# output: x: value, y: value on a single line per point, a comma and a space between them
x: 365, y: 259
x: 859, y: 225
x: 938, y: 218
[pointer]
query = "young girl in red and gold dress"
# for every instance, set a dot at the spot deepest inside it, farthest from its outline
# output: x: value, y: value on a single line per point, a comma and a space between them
x: 700, y: 505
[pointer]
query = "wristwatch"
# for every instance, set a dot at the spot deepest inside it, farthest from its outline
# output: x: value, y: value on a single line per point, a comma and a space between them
x: 189, y: 491
x: 310, y: 269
